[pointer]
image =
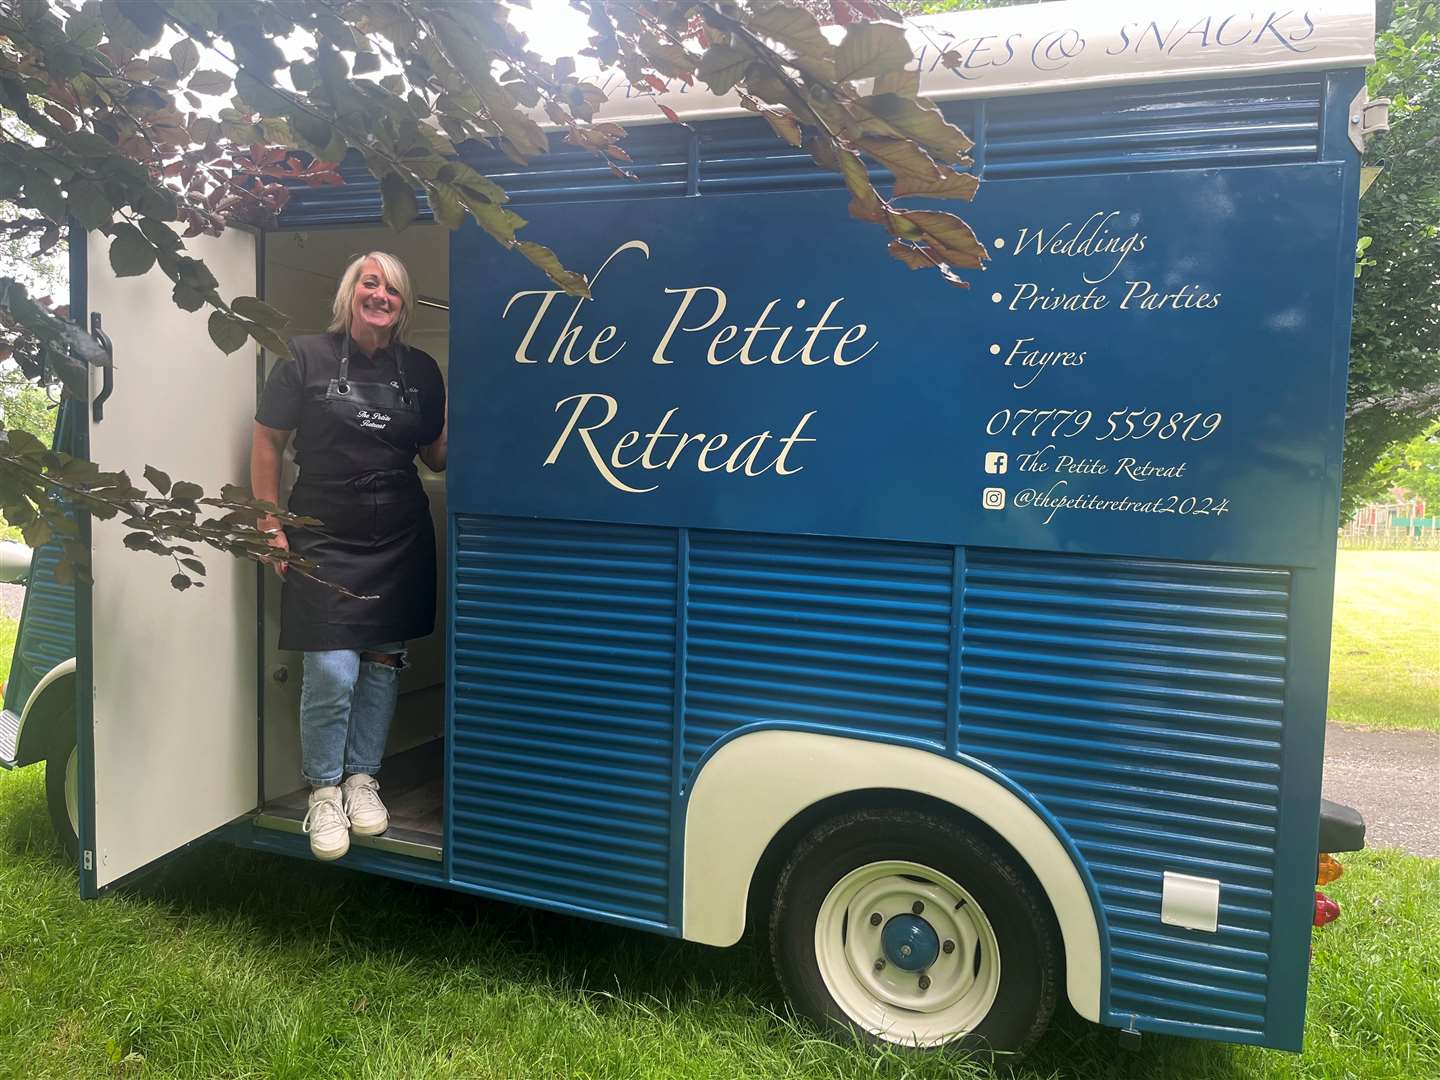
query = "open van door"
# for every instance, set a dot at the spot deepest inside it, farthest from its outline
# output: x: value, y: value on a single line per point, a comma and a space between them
x: 168, y: 733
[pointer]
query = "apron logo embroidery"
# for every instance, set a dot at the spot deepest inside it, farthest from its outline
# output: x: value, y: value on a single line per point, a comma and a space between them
x: 378, y: 421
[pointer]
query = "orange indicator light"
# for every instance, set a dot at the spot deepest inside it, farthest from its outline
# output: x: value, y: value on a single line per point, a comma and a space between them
x: 1329, y: 870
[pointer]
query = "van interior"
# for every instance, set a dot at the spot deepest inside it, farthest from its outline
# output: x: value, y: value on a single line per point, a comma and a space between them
x: 301, y: 272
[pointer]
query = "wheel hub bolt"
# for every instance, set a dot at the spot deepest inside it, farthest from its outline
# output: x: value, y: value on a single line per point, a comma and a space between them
x: 876, y: 919
x: 918, y: 907
x: 924, y: 982
x: 948, y: 947
x: 879, y: 965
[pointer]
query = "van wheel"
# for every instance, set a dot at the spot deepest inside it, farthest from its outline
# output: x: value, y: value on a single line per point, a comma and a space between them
x: 62, y: 789
x: 909, y: 930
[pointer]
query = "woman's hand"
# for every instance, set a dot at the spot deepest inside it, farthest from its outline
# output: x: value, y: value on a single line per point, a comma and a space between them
x: 278, y: 539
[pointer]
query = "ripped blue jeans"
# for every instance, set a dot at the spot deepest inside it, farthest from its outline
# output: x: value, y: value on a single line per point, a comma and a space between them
x: 346, y: 705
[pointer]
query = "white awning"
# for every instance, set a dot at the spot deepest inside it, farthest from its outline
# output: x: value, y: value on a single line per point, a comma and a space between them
x: 1077, y: 44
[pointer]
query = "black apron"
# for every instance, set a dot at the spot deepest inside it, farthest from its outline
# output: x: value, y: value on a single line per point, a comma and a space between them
x: 375, y: 537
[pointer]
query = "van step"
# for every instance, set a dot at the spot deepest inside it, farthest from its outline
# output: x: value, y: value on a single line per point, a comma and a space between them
x: 396, y: 840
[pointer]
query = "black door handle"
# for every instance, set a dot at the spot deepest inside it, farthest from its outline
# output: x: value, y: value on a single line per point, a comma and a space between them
x: 107, y: 385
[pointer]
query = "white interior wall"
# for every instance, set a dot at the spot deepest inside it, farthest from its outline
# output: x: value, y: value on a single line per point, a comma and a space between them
x: 302, y: 270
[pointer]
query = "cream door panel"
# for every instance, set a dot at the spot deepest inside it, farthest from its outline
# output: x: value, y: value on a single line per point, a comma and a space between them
x: 175, y: 731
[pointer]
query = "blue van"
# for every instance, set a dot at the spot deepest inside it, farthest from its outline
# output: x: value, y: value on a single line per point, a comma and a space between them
x: 975, y: 640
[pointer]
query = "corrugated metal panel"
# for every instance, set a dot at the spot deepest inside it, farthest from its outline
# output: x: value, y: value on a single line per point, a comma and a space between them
x: 849, y: 634
x: 659, y: 160
x: 563, y: 689
x: 1264, y: 121
x: 1256, y: 121
x: 46, y: 636
x: 1141, y: 702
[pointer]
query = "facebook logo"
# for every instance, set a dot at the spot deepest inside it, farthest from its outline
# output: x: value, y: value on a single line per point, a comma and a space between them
x: 996, y: 462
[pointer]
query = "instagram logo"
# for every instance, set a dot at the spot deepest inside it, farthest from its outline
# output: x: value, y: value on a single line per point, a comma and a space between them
x: 996, y: 462
x: 993, y: 498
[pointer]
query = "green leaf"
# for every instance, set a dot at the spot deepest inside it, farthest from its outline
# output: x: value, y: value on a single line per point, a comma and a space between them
x: 185, y: 56
x: 186, y: 298
x: 180, y: 582
x: 401, y: 206
x: 157, y: 202
x: 497, y: 221
x: 723, y: 66
x: 365, y: 63
x: 573, y: 283
x: 447, y: 205
x: 228, y: 334
x: 194, y: 565
x: 792, y: 26
x: 37, y: 533
x: 160, y: 234
x: 186, y: 491
x: 210, y: 82
x: 260, y: 312
x: 268, y: 338
x: 130, y: 253
x: 159, y: 480
x: 85, y: 28
x: 302, y: 76
x: 317, y: 131
x: 45, y: 195
x: 23, y: 444
x: 136, y: 26
x: 89, y: 205
x: 870, y: 50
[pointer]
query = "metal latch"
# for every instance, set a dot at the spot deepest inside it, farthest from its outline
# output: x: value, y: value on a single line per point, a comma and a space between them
x: 1367, y: 117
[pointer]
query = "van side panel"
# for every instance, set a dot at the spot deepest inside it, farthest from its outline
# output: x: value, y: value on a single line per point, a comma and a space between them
x: 46, y: 636
x: 1132, y: 632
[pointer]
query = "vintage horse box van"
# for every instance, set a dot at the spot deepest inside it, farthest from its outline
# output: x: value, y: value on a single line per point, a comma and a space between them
x: 976, y: 640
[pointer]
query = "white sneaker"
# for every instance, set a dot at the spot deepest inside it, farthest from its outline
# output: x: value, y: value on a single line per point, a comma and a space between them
x: 326, y: 823
x: 366, y: 812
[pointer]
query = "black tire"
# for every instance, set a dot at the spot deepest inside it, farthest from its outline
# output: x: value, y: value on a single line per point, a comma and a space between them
x: 62, y: 752
x: 1025, y: 976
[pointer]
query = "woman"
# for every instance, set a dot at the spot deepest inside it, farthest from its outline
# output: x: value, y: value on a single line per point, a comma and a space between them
x: 361, y: 405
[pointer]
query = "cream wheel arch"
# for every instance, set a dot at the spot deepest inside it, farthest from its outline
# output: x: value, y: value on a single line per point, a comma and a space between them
x: 748, y: 790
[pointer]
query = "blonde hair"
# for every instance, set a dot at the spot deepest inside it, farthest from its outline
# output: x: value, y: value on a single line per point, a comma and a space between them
x: 395, y: 276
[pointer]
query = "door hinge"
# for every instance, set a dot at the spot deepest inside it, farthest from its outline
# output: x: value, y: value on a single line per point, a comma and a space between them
x: 1368, y: 116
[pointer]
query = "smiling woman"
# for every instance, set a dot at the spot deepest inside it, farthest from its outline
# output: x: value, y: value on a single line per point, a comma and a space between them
x: 362, y: 405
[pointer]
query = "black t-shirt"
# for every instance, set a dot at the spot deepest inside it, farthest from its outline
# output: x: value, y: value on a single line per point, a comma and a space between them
x: 296, y: 391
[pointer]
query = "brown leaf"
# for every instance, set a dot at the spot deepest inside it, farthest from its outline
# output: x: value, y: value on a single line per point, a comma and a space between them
x: 723, y: 66
x: 870, y: 50
x: 791, y: 26
x: 949, y: 238
x: 920, y: 121
x: 783, y: 124
x: 950, y: 185
x: 910, y: 255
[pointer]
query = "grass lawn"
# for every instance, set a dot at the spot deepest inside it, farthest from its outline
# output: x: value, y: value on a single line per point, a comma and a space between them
x: 1385, y: 650
x: 233, y: 963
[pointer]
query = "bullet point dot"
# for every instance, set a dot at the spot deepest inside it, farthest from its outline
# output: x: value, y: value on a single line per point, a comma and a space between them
x: 999, y: 241
x: 995, y: 298
x: 994, y: 350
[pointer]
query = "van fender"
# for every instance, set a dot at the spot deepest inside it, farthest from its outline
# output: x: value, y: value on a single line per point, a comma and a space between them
x: 751, y: 786
x: 46, y: 702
